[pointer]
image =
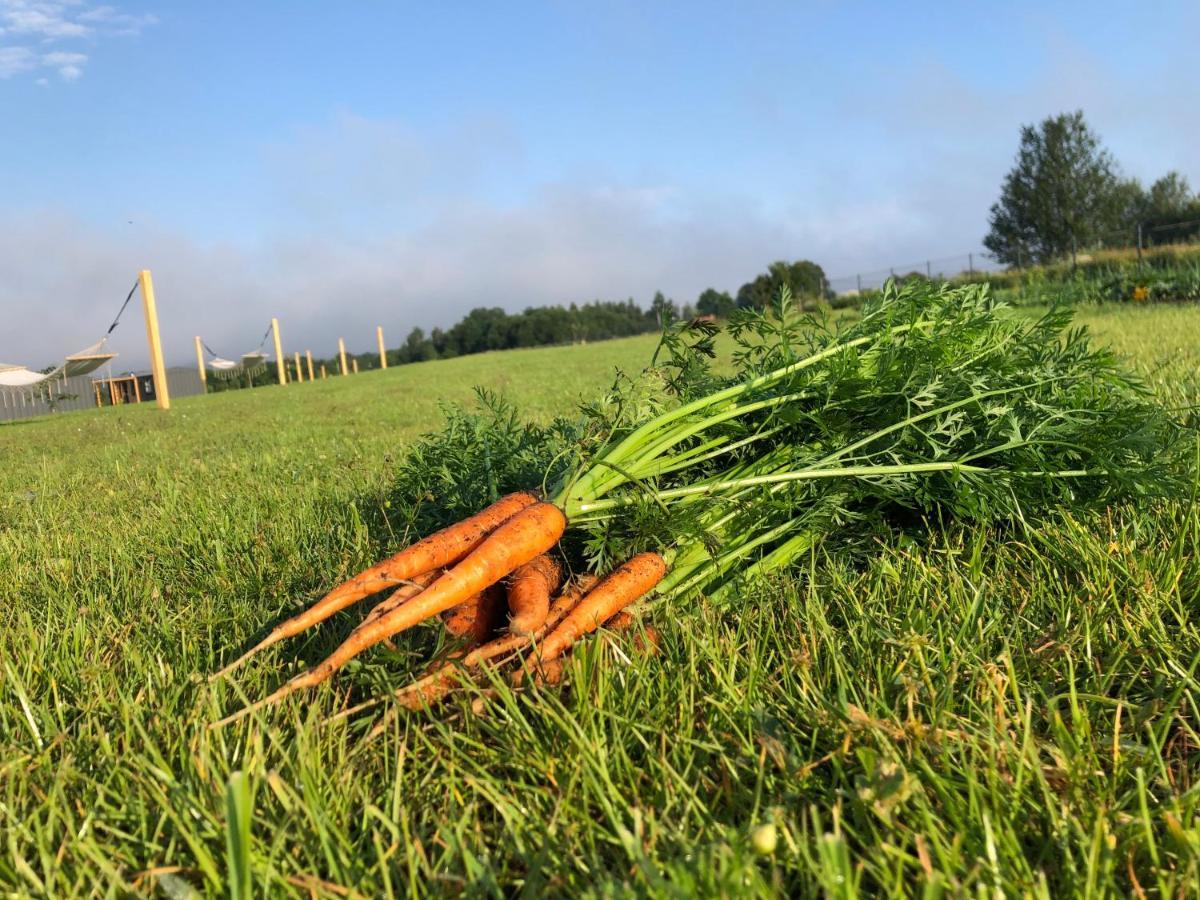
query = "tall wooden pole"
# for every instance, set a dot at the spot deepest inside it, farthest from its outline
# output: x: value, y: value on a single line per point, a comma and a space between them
x: 200, y: 363
x: 308, y: 354
x: 324, y: 374
x: 382, y: 352
x: 342, y: 355
x: 299, y: 371
x: 162, y: 393
x: 354, y: 364
x: 280, y: 366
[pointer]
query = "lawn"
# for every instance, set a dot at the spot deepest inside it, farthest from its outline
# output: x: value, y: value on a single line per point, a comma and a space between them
x: 1010, y: 711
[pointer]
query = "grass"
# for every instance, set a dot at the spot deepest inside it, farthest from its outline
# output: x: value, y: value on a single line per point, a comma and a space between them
x: 1001, y: 712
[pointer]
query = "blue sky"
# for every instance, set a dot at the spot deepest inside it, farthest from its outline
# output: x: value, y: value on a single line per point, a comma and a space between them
x: 346, y: 165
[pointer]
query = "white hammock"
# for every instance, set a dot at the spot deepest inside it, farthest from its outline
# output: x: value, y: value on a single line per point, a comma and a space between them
x: 252, y: 363
x: 86, y: 360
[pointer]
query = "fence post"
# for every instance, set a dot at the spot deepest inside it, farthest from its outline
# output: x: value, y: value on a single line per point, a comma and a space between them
x: 308, y: 356
x: 858, y: 281
x: 1139, y: 239
x: 280, y: 365
x: 162, y: 393
x: 971, y: 264
x: 200, y: 364
x: 342, y: 356
x: 299, y: 371
x: 382, y: 352
x: 929, y: 269
x: 354, y: 364
x: 324, y: 374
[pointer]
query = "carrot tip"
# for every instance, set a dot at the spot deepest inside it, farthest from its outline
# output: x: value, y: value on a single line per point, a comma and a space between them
x: 269, y: 640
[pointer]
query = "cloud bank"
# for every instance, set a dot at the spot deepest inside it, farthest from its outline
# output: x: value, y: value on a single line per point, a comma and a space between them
x: 27, y: 27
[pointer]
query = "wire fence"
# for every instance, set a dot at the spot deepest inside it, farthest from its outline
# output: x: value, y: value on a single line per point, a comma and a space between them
x: 1142, y: 238
x: 941, y: 268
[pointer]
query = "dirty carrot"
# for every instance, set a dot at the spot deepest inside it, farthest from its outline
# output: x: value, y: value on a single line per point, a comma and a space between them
x: 478, y: 617
x: 437, y: 684
x: 530, y: 532
x: 442, y: 548
x: 403, y: 594
x: 529, y: 592
x: 624, y: 585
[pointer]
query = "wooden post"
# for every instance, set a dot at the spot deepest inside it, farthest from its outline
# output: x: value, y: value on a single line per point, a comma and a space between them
x: 354, y: 364
x: 280, y: 365
x: 137, y: 389
x: 382, y: 352
x: 200, y: 364
x: 308, y: 354
x: 162, y: 393
x: 324, y: 374
x: 342, y: 356
x: 299, y: 371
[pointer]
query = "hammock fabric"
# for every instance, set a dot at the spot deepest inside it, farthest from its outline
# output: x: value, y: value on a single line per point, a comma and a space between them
x: 251, y: 362
x: 86, y: 360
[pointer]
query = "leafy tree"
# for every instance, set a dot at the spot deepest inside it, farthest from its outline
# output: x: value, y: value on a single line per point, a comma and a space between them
x: 417, y: 348
x: 1171, y: 211
x: 1061, y: 194
x: 662, y: 309
x: 715, y: 303
x: 804, y: 277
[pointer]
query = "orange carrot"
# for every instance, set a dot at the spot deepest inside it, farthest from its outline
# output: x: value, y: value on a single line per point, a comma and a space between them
x: 403, y: 594
x: 529, y: 592
x: 435, y: 685
x: 532, y: 531
x: 646, y: 641
x: 624, y: 585
x: 442, y: 548
x: 476, y: 619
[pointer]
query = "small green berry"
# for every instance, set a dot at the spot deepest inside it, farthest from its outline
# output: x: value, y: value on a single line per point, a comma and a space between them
x: 764, y: 839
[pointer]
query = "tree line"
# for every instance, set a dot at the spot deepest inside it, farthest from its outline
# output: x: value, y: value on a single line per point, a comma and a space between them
x: 1066, y: 193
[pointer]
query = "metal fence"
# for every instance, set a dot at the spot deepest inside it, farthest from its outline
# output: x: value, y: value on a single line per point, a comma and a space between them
x: 943, y: 268
x: 67, y: 394
x: 1144, y: 236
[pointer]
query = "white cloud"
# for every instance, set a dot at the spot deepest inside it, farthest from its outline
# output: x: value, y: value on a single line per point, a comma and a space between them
x: 46, y: 20
x: 68, y: 65
x: 15, y: 60
x: 50, y: 22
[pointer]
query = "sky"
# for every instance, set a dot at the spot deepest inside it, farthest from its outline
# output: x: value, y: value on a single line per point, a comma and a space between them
x: 343, y: 166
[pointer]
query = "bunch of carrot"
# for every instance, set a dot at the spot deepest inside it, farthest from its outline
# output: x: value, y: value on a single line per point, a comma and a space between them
x: 934, y: 401
x: 458, y: 573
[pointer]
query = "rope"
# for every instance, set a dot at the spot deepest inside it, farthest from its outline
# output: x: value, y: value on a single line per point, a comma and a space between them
x: 128, y: 297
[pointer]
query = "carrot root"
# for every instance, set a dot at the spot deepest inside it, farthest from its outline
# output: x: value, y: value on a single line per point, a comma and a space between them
x: 531, y: 532
x: 529, y: 592
x: 442, y: 548
x: 623, y: 586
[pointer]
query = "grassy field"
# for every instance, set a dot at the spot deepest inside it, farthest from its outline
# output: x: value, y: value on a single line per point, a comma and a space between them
x: 974, y: 712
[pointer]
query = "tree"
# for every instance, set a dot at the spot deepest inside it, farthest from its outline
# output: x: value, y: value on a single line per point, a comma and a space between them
x: 1061, y: 194
x: 1171, y: 211
x: 804, y: 277
x: 662, y: 309
x: 715, y: 303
